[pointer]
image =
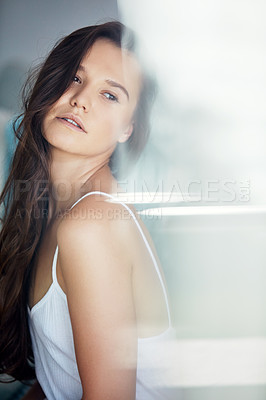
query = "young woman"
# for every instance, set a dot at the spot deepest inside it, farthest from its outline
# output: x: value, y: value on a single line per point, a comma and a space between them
x: 82, y: 293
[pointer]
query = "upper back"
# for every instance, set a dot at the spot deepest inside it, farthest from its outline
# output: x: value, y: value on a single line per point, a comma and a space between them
x: 149, y: 286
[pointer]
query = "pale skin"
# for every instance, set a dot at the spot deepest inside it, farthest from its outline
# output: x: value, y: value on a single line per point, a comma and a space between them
x: 113, y: 292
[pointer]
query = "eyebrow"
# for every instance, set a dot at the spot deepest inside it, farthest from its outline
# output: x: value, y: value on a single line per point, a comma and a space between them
x: 109, y: 81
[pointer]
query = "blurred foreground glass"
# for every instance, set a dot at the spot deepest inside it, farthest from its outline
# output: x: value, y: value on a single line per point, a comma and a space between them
x: 200, y: 187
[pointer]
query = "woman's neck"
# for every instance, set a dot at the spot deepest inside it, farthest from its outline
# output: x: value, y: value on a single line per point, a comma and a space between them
x: 71, y: 179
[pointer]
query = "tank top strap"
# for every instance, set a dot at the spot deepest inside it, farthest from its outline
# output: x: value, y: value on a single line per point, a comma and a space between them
x: 145, y: 241
x: 54, y: 265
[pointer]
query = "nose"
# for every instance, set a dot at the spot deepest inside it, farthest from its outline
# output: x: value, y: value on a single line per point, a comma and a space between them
x: 80, y: 99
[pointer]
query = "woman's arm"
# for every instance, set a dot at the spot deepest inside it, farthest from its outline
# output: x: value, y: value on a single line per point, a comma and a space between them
x: 95, y: 265
x: 35, y: 393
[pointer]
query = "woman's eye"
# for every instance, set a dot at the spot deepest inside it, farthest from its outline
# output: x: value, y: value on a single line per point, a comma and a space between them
x: 110, y: 96
x: 76, y: 79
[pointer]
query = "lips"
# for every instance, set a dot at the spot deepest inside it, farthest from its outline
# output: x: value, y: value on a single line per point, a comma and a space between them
x: 73, y: 120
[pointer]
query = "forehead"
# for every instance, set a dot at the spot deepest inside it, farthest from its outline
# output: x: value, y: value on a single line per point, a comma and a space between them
x: 105, y: 60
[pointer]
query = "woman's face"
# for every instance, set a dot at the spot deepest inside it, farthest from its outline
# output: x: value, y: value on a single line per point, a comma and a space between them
x: 97, y: 109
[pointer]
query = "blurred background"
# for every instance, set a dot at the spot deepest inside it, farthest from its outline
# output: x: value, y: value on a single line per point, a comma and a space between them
x: 200, y: 184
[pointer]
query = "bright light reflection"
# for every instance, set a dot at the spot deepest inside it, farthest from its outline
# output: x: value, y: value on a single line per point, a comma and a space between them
x: 203, y: 210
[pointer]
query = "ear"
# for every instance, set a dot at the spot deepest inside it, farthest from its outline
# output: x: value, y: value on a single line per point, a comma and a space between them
x: 127, y: 133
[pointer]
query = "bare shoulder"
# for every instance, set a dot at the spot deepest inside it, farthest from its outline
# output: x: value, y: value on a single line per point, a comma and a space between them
x: 100, y: 210
x: 97, y: 223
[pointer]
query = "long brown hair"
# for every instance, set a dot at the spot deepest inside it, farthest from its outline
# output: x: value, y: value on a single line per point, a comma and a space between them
x: 26, y: 198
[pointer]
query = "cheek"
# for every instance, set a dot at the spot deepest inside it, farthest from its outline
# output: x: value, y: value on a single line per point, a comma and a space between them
x: 114, y: 122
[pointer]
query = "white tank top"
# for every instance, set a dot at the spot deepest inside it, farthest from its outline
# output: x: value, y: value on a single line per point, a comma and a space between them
x: 53, y: 346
